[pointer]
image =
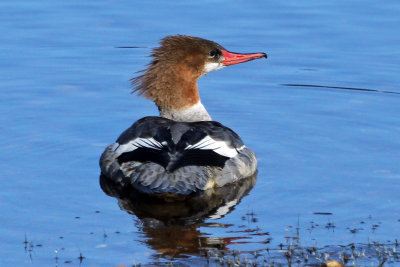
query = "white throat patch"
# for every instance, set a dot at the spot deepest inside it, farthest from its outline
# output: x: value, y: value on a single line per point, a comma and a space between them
x: 210, y: 66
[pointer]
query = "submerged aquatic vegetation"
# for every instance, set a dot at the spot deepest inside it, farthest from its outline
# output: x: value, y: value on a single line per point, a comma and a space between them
x: 374, y: 254
x: 234, y: 251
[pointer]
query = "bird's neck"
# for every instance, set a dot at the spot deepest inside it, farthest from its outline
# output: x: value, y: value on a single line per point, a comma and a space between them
x: 196, y: 112
x: 174, y: 90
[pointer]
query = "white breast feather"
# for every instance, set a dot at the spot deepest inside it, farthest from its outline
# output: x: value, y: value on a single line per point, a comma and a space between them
x: 136, y: 143
x: 220, y: 147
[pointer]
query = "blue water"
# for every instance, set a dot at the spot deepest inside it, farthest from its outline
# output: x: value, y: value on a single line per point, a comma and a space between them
x: 65, y: 95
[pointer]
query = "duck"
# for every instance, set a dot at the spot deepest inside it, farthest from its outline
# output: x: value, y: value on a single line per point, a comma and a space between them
x: 182, y: 152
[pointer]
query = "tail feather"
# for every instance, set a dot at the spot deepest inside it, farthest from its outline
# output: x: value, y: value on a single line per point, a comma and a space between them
x: 154, y: 179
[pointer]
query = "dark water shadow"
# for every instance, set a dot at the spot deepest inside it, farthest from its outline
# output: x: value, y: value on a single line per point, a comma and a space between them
x: 341, y: 88
x: 172, y: 229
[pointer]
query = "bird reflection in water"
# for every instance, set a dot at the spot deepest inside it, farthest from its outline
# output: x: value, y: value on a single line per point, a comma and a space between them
x: 171, y: 228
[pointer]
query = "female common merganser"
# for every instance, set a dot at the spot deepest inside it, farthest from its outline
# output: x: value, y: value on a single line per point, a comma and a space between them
x: 183, y: 151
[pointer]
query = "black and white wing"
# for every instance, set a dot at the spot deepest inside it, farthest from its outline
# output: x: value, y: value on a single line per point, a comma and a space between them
x: 161, y: 155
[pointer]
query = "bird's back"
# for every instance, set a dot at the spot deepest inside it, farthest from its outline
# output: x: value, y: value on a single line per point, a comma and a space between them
x: 161, y: 156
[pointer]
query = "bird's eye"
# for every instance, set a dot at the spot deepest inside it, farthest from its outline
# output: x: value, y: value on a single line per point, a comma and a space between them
x: 214, y: 53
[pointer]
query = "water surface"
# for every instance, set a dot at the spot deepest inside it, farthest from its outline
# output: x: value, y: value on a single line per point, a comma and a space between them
x: 322, y: 147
